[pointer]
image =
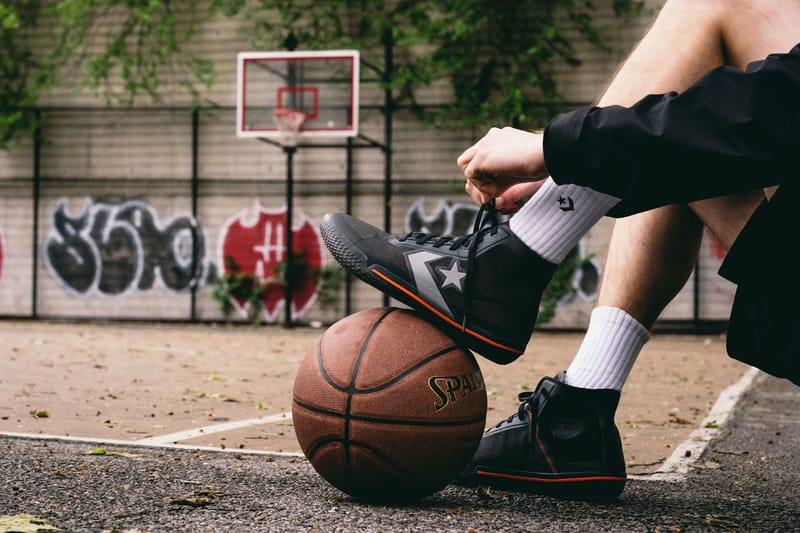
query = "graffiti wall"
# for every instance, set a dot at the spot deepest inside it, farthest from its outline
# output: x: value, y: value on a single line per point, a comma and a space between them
x: 109, y: 239
x: 16, y: 248
x: 253, y: 242
x: 112, y: 249
x: 147, y: 259
x: 130, y: 258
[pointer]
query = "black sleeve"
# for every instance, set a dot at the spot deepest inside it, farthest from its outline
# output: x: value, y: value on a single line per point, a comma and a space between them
x: 731, y: 131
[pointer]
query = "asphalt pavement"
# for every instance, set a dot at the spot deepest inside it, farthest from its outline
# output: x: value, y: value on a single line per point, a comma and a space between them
x: 747, y: 480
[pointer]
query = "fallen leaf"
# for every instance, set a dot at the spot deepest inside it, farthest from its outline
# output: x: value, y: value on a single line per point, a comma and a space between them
x: 191, y: 501
x: 103, y: 451
x: 24, y: 523
x: 199, y: 498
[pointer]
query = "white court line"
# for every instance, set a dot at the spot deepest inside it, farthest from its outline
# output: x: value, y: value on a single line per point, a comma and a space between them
x: 170, y: 440
x: 173, y: 438
x: 131, y: 443
x: 674, y: 468
x: 678, y: 464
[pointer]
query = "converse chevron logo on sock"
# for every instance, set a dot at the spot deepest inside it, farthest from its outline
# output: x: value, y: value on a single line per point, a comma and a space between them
x: 565, y: 203
x: 555, y: 218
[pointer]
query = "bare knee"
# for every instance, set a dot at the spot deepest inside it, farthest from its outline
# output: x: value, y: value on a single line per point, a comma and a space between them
x: 753, y: 29
x: 727, y: 215
x: 743, y: 30
x: 682, y: 43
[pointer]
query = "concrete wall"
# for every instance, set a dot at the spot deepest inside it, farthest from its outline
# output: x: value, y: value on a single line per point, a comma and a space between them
x: 115, y: 228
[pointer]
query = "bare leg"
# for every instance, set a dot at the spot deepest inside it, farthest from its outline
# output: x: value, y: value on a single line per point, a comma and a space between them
x: 651, y: 255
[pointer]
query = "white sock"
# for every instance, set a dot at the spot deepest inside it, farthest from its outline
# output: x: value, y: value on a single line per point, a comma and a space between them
x: 609, y: 349
x: 552, y: 222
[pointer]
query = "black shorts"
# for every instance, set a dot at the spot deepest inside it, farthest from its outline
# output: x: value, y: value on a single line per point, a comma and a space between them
x: 764, y: 327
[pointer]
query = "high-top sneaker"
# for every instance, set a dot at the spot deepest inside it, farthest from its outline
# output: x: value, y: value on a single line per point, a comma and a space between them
x: 482, y: 289
x: 562, y: 442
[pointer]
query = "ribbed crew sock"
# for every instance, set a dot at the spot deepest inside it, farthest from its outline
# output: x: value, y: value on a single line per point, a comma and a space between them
x: 611, y: 345
x: 552, y: 222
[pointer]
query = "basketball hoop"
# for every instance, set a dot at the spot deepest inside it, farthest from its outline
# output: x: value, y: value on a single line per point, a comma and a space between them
x: 289, y: 122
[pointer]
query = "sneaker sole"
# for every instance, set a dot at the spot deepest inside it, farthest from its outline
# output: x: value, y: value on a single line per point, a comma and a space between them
x: 356, y: 263
x: 582, y: 486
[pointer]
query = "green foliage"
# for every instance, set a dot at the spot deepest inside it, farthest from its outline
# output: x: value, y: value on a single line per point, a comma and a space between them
x: 141, y: 40
x: 560, y: 285
x: 235, y: 284
x: 121, y: 49
x: 496, y: 54
x: 21, y: 76
x: 329, y: 281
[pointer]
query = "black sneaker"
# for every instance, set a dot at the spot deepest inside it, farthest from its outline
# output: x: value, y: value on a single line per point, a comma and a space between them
x: 561, y: 442
x: 482, y: 289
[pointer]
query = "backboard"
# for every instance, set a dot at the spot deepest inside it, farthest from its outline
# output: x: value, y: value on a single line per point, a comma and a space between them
x: 322, y: 84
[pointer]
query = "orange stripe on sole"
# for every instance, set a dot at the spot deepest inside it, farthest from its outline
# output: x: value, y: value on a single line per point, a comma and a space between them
x: 550, y: 480
x: 442, y: 316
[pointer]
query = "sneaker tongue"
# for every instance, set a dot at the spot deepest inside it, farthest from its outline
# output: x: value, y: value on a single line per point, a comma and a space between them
x: 524, y: 396
x: 554, y: 390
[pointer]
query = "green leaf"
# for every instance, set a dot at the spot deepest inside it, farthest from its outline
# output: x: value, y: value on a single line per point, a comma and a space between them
x: 103, y: 451
x: 24, y: 523
x: 190, y: 501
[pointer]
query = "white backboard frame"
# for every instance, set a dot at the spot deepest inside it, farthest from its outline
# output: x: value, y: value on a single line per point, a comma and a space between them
x: 350, y: 130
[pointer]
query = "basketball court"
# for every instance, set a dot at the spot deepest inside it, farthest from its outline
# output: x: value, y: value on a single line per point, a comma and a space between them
x: 229, y: 388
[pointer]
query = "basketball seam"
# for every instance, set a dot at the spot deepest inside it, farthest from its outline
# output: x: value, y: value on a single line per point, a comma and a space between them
x: 353, y: 377
x: 350, y: 388
x: 411, y: 478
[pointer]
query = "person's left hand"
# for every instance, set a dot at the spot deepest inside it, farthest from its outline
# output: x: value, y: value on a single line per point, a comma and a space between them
x: 511, y: 200
x: 501, y: 159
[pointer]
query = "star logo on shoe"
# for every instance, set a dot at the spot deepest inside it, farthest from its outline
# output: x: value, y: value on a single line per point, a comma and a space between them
x: 452, y: 276
x: 427, y: 287
x: 565, y: 203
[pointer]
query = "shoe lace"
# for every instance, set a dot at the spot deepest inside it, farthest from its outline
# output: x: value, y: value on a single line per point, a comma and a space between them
x: 529, y: 402
x: 486, y: 214
x: 485, y: 222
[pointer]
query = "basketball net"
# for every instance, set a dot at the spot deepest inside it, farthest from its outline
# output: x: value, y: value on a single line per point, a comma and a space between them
x: 289, y: 122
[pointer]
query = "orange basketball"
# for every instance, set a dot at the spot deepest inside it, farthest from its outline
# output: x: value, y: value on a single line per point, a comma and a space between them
x: 387, y: 407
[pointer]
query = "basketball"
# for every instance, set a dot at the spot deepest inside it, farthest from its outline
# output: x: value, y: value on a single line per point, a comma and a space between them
x: 387, y: 407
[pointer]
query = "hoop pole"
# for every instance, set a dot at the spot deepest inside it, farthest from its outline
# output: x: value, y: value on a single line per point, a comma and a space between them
x: 287, y: 294
x: 388, y: 72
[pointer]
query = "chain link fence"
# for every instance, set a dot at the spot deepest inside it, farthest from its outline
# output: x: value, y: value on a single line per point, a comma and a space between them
x: 162, y: 214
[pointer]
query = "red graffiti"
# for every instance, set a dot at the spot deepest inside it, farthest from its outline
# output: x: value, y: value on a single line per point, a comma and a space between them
x: 257, y: 245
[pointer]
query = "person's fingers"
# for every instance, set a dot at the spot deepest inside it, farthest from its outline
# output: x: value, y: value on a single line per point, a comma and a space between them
x: 513, y: 198
x: 473, y: 171
x: 477, y: 196
x: 466, y: 157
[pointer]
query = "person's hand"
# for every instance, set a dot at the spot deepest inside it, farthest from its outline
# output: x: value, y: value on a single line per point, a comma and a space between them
x: 511, y: 200
x: 502, y: 159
